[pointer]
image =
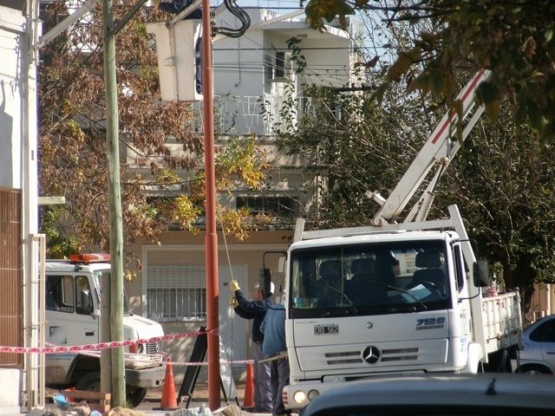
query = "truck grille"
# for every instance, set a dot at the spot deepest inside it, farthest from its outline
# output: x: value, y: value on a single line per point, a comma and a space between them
x: 387, y: 355
x: 155, y: 348
x: 365, y: 357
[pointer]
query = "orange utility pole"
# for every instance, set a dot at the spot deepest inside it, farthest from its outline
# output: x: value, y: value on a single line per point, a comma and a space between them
x: 211, y: 237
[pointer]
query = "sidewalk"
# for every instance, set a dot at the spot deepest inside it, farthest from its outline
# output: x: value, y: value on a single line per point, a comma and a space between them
x: 152, y: 402
x: 199, y: 396
x: 200, y: 393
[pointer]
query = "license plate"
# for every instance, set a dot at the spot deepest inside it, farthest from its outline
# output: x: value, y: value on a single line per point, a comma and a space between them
x: 326, y: 329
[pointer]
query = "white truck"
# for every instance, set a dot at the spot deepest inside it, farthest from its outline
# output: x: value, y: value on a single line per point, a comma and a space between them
x: 396, y: 297
x: 72, y: 310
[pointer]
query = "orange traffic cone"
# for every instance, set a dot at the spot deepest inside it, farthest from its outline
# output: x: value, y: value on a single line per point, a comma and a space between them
x: 169, y: 398
x: 248, y: 400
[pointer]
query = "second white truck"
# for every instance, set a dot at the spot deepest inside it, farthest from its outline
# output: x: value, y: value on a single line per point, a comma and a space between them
x: 396, y: 297
x: 72, y: 305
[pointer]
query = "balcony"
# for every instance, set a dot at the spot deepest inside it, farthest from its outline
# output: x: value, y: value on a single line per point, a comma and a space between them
x: 246, y: 115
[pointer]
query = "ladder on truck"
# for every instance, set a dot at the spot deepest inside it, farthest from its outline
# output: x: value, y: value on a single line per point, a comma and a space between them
x: 437, y: 152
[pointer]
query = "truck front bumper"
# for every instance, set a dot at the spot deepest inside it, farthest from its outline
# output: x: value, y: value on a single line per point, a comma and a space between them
x: 146, y: 378
x: 298, y: 396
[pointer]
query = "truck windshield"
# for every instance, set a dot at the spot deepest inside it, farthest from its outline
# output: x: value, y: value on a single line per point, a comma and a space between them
x: 374, y: 278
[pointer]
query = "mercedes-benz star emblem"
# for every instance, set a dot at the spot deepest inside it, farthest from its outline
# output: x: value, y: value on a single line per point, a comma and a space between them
x: 371, y: 355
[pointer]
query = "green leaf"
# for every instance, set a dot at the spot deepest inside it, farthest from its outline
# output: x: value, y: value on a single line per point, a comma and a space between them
x: 403, y: 63
x: 549, y: 35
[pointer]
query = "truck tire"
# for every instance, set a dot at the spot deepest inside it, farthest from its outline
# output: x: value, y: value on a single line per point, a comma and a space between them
x: 499, y: 362
x: 91, y: 382
x: 134, y: 395
x: 534, y: 369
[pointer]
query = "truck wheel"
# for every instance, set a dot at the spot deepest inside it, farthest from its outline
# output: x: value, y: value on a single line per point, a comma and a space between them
x: 134, y: 395
x: 534, y: 369
x: 91, y: 382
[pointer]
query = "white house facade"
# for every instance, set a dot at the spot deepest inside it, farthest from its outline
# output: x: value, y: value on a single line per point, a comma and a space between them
x: 19, y: 320
x: 253, y: 72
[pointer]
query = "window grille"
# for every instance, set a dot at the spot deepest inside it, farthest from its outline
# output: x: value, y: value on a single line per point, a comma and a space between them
x: 176, y: 293
x: 276, y: 206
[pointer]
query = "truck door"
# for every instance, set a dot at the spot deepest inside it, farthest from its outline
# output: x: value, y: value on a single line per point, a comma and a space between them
x: 70, y: 308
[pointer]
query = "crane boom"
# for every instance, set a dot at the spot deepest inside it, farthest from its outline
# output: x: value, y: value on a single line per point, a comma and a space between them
x: 437, y: 152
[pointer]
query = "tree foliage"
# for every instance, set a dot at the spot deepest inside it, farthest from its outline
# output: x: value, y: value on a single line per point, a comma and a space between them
x: 168, y: 191
x: 503, y: 183
x: 515, y: 39
x: 351, y: 145
x: 501, y: 178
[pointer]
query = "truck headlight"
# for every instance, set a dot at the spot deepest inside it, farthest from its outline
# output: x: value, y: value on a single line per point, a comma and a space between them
x: 299, y: 397
x: 312, y: 394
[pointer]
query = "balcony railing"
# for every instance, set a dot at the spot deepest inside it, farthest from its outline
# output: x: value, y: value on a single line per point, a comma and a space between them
x: 245, y: 115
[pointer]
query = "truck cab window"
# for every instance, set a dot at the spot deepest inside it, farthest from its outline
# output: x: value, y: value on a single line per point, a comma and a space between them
x: 59, y: 294
x: 460, y: 272
x: 430, y: 271
x: 369, y: 279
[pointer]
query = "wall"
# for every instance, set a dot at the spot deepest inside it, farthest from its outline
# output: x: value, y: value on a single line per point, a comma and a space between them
x: 18, y: 171
x: 179, y: 248
x: 12, y: 47
x: 243, y: 67
x: 542, y: 303
x: 11, y: 28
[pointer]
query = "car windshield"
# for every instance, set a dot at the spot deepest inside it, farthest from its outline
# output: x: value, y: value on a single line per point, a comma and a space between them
x: 369, y: 279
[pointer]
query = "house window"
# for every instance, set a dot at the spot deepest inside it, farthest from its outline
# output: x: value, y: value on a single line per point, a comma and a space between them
x: 282, y: 66
x: 176, y: 293
x: 273, y: 206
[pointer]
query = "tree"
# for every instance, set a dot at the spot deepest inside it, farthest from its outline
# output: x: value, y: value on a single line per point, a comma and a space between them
x: 501, y: 178
x: 515, y: 39
x: 72, y: 143
x: 351, y: 144
x: 502, y: 181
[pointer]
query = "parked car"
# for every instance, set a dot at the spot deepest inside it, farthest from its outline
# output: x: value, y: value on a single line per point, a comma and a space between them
x: 503, y: 394
x: 537, y: 355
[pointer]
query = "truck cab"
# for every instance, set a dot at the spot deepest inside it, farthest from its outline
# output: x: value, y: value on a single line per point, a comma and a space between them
x: 394, y: 299
x: 72, y: 307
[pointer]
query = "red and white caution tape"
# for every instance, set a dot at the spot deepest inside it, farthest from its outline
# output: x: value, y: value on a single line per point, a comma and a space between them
x: 60, y: 349
x: 230, y: 362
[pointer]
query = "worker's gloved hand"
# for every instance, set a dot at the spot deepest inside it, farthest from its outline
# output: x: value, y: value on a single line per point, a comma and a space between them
x: 233, y: 301
x: 234, y: 286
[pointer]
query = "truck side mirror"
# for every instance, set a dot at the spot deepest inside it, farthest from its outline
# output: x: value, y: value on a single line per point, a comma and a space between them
x: 265, y: 280
x: 282, y: 263
x: 481, y: 274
